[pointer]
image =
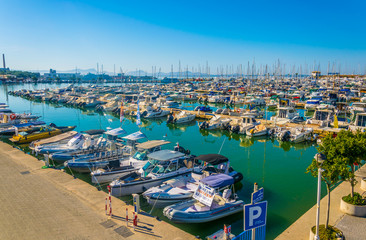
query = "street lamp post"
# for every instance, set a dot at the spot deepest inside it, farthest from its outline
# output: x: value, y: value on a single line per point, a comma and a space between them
x: 319, y: 159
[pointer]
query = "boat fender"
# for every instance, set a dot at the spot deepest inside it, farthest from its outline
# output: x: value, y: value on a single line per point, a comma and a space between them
x: 226, y: 194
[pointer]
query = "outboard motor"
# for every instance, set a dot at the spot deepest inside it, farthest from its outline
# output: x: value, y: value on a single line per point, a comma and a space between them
x: 235, y: 129
x: 285, y: 135
x: 226, y: 126
x: 197, y: 108
x: 170, y: 118
x: 143, y: 114
x: 179, y: 149
x: 218, y: 111
x: 203, y: 125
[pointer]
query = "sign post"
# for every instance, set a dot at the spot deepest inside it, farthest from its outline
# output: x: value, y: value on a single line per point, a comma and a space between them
x: 255, y: 213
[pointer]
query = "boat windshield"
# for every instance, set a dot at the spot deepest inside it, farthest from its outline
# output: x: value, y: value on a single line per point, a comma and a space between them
x: 361, y: 121
x: 282, y: 113
x: 321, y: 115
x: 140, y: 155
x: 149, y: 165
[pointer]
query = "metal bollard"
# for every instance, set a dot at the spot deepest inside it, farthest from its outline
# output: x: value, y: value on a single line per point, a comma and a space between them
x: 127, y: 217
x: 47, y: 159
x: 106, y: 206
x: 110, y: 201
x: 136, y: 202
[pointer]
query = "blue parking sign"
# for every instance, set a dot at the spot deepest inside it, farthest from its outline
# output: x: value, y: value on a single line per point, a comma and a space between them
x: 255, y: 215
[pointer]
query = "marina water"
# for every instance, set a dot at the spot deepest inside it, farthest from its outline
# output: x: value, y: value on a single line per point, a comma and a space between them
x: 279, y: 168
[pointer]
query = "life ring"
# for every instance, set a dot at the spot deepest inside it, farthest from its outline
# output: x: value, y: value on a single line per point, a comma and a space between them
x: 13, y: 116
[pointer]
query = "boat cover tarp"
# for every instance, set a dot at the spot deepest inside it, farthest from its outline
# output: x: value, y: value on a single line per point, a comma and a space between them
x: 218, y: 180
x: 29, y: 124
x: 152, y: 144
x: 116, y: 132
x: 94, y: 131
x: 165, y: 155
x: 213, y: 159
x: 135, y: 136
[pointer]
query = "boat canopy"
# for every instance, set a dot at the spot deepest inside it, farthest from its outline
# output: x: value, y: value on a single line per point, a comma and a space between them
x: 313, y: 101
x: 218, y: 180
x: 213, y: 159
x: 151, y: 144
x: 165, y: 155
x: 29, y: 124
x: 135, y: 136
x: 94, y: 131
x: 116, y: 132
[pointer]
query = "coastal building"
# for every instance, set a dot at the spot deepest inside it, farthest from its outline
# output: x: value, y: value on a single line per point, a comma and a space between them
x: 53, y: 75
x: 315, y: 74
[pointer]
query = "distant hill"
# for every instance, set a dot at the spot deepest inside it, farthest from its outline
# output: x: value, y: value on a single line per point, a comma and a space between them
x: 141, y: 73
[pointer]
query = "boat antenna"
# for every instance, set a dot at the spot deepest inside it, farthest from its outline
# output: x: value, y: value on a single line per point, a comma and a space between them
x: 222, y: 145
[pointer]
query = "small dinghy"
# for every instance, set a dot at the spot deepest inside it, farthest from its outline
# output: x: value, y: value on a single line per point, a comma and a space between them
x: 209, y: 203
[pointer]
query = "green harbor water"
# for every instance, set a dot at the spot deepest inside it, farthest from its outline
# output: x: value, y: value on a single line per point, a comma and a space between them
x: 279, y: 169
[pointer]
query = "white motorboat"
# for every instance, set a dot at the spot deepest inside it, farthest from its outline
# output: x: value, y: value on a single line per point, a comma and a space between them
x: 312, y: 104
x: 155, y: 113
x: 180, y: 189
x: 77, y: 142
x: 182, y: 117
x: 359, y: 123
x: 259, y: 130
x: 215, y: 123
x: 285, y: 114
x: 133, y: 163
x: 162, y: 165
x: 301, y: 135
x: 210, y: 202
x: 357, y: 107
x: 243, y: 124
x: 257, y: 102
x: 322, y: 117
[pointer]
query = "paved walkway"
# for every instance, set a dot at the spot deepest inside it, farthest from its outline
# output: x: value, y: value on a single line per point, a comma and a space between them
x: 354, y: 228
x: 50, y: 204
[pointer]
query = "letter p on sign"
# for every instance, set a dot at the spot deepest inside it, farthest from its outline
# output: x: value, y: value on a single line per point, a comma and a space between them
x: 255, y: 215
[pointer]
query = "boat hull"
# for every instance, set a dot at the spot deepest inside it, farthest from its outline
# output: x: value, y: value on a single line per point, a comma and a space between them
x: 124, y: 189
x: 176, y: 212
x: 107, y: 177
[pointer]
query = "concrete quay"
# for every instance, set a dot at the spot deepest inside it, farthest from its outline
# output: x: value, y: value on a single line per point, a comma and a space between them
x: 354, y: 228
x: 50, y: 204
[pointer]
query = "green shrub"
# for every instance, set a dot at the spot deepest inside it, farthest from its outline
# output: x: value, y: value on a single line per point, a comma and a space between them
x: 331, y: 233
x: 357, y: 199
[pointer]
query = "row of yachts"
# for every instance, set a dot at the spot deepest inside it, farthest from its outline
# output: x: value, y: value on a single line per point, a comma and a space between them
x: 164, y: 101
x: 189, y: 188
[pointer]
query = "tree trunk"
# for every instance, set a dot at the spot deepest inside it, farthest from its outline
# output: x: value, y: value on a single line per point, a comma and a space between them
x: 328, y: 207
x: 352, y: 179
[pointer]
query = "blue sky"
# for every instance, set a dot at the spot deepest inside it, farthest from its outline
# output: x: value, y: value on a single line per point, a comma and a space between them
x: 38, y: 35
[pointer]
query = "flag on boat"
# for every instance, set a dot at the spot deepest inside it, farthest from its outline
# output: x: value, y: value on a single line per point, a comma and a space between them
x: 138, y: 121
x: 121, y: 115
x: 335, y: 123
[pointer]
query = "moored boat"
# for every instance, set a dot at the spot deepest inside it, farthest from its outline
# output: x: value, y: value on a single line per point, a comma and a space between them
x: 44, y: 132
x: 210, y: 202
x: 162, y: 165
